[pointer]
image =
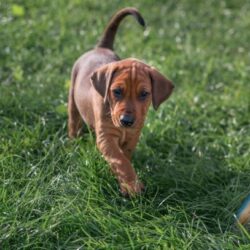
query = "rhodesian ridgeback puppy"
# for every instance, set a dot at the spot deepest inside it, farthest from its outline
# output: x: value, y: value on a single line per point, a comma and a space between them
x: 112, y: 97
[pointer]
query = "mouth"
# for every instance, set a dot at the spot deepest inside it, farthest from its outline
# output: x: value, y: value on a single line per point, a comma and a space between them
x: 126, y: 126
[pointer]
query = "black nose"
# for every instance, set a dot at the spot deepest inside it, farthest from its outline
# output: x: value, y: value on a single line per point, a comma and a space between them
x: 127, y: 120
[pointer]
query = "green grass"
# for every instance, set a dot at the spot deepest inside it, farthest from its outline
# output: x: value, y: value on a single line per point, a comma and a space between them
x: 194, y: 152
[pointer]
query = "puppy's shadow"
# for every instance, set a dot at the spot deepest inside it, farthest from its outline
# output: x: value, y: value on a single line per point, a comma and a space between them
x: 197, y: 177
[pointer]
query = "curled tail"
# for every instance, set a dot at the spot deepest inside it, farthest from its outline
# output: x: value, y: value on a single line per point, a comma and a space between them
x: 108, y: 36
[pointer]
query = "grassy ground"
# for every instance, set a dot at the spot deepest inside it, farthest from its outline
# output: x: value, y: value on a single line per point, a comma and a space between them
x: 194, y: 152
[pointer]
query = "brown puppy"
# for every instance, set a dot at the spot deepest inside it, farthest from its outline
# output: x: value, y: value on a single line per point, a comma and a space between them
x: 112, y: 96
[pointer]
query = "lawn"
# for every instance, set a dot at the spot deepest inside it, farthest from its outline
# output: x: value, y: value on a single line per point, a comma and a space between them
x: 193, y: 154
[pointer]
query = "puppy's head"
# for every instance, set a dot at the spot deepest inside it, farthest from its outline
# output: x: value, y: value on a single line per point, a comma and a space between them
x: 129, y: 86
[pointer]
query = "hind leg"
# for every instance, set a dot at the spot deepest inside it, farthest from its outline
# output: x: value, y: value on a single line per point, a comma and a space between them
x: 75, y: 122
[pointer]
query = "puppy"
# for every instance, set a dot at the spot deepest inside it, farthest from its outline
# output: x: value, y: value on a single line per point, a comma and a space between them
x: 112, y: 97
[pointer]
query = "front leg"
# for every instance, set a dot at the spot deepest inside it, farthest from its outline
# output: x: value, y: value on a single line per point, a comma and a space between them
x: 120, y: 165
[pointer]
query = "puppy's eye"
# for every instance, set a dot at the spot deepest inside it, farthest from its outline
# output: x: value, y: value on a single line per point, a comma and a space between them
x: 143, y: 95
x: 118, y: 93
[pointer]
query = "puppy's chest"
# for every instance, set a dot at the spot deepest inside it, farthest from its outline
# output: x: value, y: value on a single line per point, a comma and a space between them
x: 123, y: 138
x: 126, y: 137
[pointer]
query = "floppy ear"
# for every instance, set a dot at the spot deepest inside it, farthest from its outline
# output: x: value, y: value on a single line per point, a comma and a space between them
x: 101, y: 80
x: 161, y: 87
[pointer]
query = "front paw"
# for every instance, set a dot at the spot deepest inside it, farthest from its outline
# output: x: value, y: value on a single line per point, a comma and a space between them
x: 132, y: 188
